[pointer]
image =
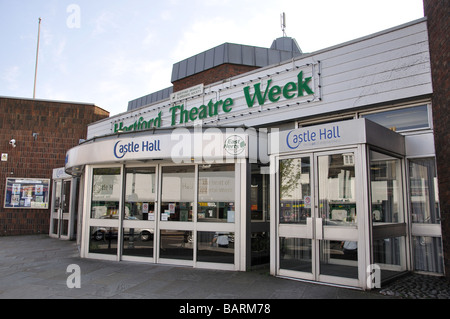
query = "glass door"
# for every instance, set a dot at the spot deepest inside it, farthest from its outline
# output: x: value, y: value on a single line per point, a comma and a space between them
x: 61, y: 215
x: 317, y: 217
x: 175, y: 224
x: 138, y: 228
x: 337, y: 234
x: 295, y: 217
x: 56, y: 209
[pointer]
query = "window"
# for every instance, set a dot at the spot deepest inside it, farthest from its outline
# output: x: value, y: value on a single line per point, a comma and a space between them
x: 215, y: 247
x: 404, y: 119
x: 295, y: 190
x: 216, y: 193
x: 106, y: 184
x: 424, y: 191
x: 386, y: 191
x: 177, y: 193
x: 140, y: 194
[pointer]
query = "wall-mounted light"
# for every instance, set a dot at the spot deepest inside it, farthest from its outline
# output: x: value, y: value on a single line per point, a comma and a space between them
x: 35, y: 136
x: 12, y: 142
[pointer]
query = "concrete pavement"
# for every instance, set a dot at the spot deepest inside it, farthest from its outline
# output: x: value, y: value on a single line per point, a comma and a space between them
x: 34, y: 267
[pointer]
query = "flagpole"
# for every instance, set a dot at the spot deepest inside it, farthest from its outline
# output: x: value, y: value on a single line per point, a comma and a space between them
x: 37, y: 56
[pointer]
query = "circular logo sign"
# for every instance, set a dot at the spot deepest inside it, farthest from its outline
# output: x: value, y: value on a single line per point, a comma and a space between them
x: 234, y: 145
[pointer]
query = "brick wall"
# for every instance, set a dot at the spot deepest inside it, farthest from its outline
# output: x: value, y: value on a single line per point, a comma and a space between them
x: 213, y: 75
x: 60, y: 127
x: 437, y: 12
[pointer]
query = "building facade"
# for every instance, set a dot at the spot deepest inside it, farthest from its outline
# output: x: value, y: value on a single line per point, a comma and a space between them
x: 34, y: 137
x: 321, y: 164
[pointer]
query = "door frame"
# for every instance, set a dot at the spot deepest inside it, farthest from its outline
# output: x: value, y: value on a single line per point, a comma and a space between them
x: 314, y: 227
x: 60, y: 216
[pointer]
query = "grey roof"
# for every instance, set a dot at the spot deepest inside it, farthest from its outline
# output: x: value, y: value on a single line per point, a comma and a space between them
x: 236, y: 54
x: 286, y: 44
x: 282, y: 49
x: 150, y: 98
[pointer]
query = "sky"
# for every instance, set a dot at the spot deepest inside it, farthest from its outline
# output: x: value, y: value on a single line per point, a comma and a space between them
x: 109, y: 52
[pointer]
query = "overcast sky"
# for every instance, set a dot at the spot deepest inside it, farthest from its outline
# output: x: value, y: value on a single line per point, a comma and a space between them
x: 109, y: 52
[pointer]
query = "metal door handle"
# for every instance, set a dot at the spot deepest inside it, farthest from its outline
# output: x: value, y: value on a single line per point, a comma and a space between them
x: 319, y: 228
x: 309, y: 228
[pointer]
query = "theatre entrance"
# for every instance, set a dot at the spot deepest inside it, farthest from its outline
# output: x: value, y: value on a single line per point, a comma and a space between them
x: 338, y: 210
x: 63, y: 218
x: 318, y: 226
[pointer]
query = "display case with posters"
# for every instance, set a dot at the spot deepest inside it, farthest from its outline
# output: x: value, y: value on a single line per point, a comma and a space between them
x: 32, y: 193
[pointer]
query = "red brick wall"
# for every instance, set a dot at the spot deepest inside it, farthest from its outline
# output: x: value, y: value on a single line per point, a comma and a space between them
x: 60, y: 126
x: 437, y: 12
x: 213, y: 75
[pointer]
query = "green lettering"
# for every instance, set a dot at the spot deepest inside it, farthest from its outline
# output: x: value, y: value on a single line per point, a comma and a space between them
x: 257, y: 95
x: 173, y: 110
x: 303, y: 85
x: 203, y: 114
x: 276, y: 90
x: 227, y: 105
x: 157, y: 121
x: 290, y: 87
x: 193, y: 114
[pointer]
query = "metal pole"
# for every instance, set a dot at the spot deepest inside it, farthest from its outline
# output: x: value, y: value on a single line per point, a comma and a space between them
x: 37, y: 57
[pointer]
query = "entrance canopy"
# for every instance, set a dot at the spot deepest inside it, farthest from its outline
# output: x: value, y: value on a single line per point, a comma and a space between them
x: 180, y: 145
x: 337, y: 134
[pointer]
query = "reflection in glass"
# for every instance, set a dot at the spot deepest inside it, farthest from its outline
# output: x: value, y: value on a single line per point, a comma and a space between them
x: 428, y: 254
x: 176, y: 244
x: 140, y: 194
x: 177, y: 193
x: 385, y: 182
x: 424, y: 191
x: 216, y: 189
x: 337, y: 189
x: 103, y: 240
x: 105, y: 193
x: 339, y: 258
x: 215, y: 247
x: 138, y: 242
x: 410, y: 118
x: 296, y: 254
x: 295, y: 190
x: 389, y: 254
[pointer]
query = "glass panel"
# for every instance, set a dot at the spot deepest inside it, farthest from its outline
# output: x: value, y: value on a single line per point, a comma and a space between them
x: 260, y: 248
x: 386, y: 182
x: 337, y: 189
x: 105, y: 193
x: 57, y: 204
x: 66, y: 197
x: 428, y: 254
x: 176, y: 244
x: 103, y: 240
x: 390, y: 255
x: 215, y: 247
x: 295, y: 190
x: 65, y: 227
x: 177, y: 193
x: 55, y: 224
x: 138, y: 242
x: 296, y: 254
x: 424, y: 191
x: 402, y: 119
x: 216, y: 193
x: 140, y: 194
x: 259, y: 194
x: 339, y: 258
